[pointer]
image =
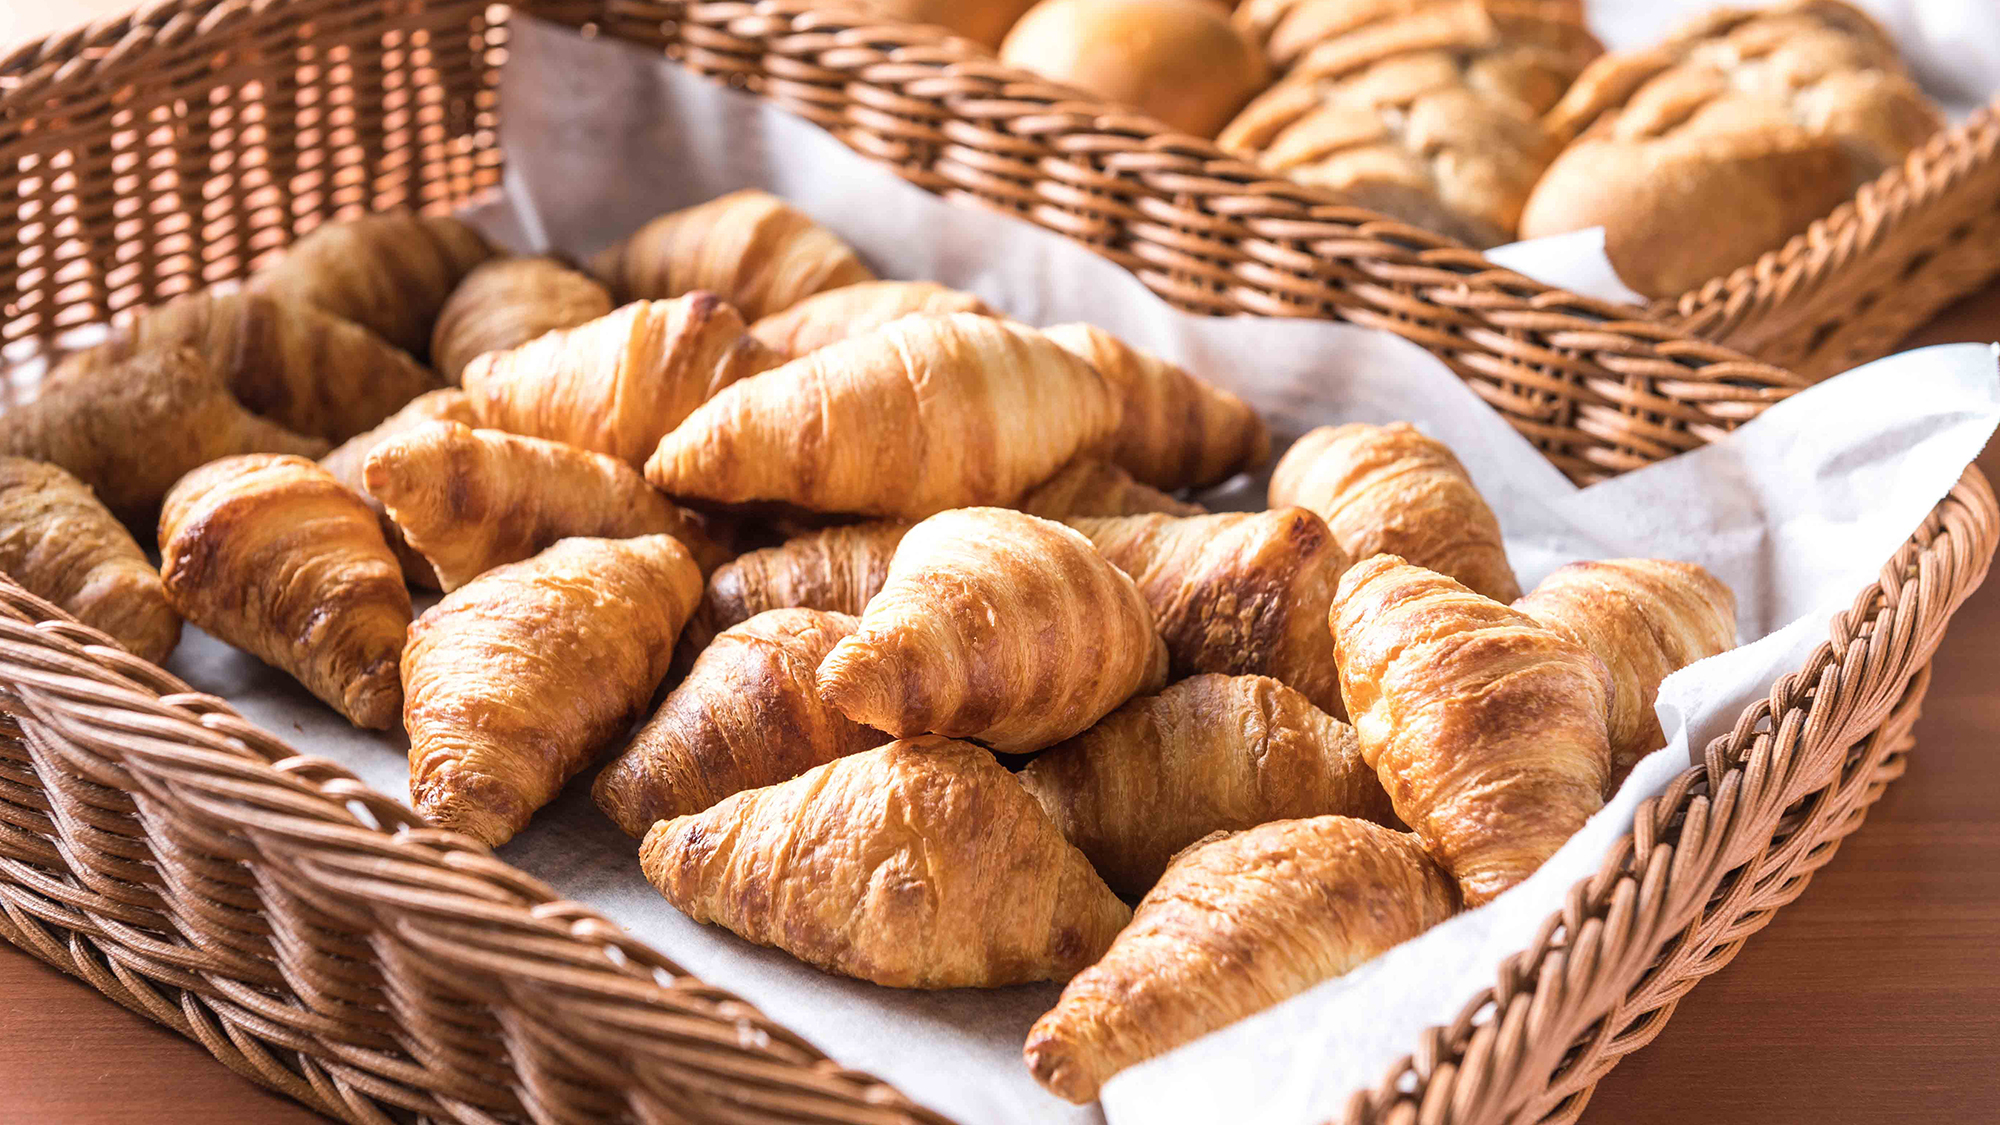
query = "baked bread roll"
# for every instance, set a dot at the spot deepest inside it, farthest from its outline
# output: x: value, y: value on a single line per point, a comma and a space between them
x: 1432, y: 118
x: 851, y: 310
x: 349, y: 460
x: 919, y: 864
x: 1087, y: 486
x: 1287, y: 29
x: 390, y: 274
x: 1746, y: 126
x: 747, y: 248
x: 983, y: 21
x: 61, y: 544
x: 1486, y: 727
x: 1178, y: 61
x: 508, y: 302
x: 1237, y: 924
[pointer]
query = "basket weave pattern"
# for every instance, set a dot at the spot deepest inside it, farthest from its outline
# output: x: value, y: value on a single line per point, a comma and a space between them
x: 317, y: 938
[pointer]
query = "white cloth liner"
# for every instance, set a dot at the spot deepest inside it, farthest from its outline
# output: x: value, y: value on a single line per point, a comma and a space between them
x: 1796, y: 511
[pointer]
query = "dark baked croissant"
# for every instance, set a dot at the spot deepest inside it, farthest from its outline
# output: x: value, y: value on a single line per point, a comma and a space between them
x: 919, y: 864
x: 1088, y: 487
x: 837, y: 569
x: 747, y: 247
x: 506, y: 303
x: 834, y: 315
x: 388, y: 273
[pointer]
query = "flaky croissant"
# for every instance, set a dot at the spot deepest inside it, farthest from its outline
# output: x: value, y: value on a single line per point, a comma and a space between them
x: 1088, y: 487
x: 305, y: 369
x: 1237, y: 924
x: 470, y: 500
x: 1645, y: 619
x: 747, y: 247
x: 1238, y: 592
x: 997, y: 626
x: 1486, y: 728
x: 60, y: 543
x: 747, y: 715
x: 1390, y: 490
x: 130, y: 428
x: 919, y: 864
x: 1209, y: 753
x: 516, y: 681
x: 507, y: 302
x: 274, y: 556
x: 924, y: 414
x: 388, y: 273
x: 1178, y: 431
x: 619, y: 383
x: 833, y: 316
x: 837, y: 569
x: 350, y: 458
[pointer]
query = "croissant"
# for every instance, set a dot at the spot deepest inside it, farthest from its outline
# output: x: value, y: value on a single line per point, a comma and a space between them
x: 506, y: 303
x: 1178, y: 431
x: 747, y: 715
x: 59, y: 543
x: 919, y: 864
x: 390, y: 274
x: 998, y: 626
x: 514, y: 682
x: 470, y: 500
x: 837, y: 569
x: 1237, y: 924
x: 350, y: 458
x: 274, y: 556
x: 1645, y: 619
x: 1239, y: 592
x: 1087, y: 487
x: 617, y: 384
x: 129, y: 428
x: 1210, y: 752
x: 1486, y: 728
x: 924, y: 414
x: 852, y: 310
x: 1390, y: 490
x: 301, y: 367
x: 747, y: 247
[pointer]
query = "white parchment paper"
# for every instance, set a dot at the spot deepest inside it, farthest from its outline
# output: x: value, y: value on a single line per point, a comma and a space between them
x: 1796, y: 511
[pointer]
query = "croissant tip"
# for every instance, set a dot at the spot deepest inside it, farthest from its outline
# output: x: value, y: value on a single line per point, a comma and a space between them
x: 1052, y: 1063
x: 609, y: 793
x: 375, y: 700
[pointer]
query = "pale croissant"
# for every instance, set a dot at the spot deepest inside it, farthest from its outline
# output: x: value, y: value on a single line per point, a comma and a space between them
x: 1645, y: 619
x: 925, y: 414
x: 1486, y: 728
x: 388, y: 273
x: 350, y: 458
x: 1209, y: 753
x: 919, y: 864
x: 519, y: 679
x: 851, y: 310
x: 619, y: 383
x: 996, y: 626
x: 470, y: 500
x: 61, y: 544
x: 274, y: 556
x: 1390, y: 490
x: 1178, y: 431
x: 748, y: 247
x: 1088, y: 487
x: 1237, y: 924
x: 837, y: 569
x: 506, y: 303
x: 747, y: 715
x: 1238, y: 592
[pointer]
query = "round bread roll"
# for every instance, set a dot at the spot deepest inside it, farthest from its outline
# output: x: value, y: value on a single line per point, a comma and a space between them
x: 983, y: 21
x: 1180, y: 61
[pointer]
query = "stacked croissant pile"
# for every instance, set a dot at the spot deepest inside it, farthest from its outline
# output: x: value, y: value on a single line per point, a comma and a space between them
x: 956, y: 672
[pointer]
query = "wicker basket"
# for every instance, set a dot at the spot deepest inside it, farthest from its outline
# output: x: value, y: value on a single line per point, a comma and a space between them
x: 316, y: 938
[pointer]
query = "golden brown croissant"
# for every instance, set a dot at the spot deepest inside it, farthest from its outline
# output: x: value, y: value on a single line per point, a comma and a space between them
x: 506, y: 303
x: 837, y: 569
x: 617, y: 384
x: 1209, y: 753
x: 470, y: 500
x: 388, y: 273
x: 1645, y: 619
x: 274, y: 556
x: 130, y: 428
x: 517, y: 680
x: 1486, y: 728
x: 1239, y: 592
x: 747, y: 715
x: 833, y: 316
x: 919, y: 864
x: 746, y: 247
x: 1390, y: 490
x: 59, y: 543
x: 1088, y: 487
x: 998, y: 626
x: 301, y: 367
x: 1178, y: 431
x: 924, y: 414
x: 348, y: 461
x: 1237, y: 924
